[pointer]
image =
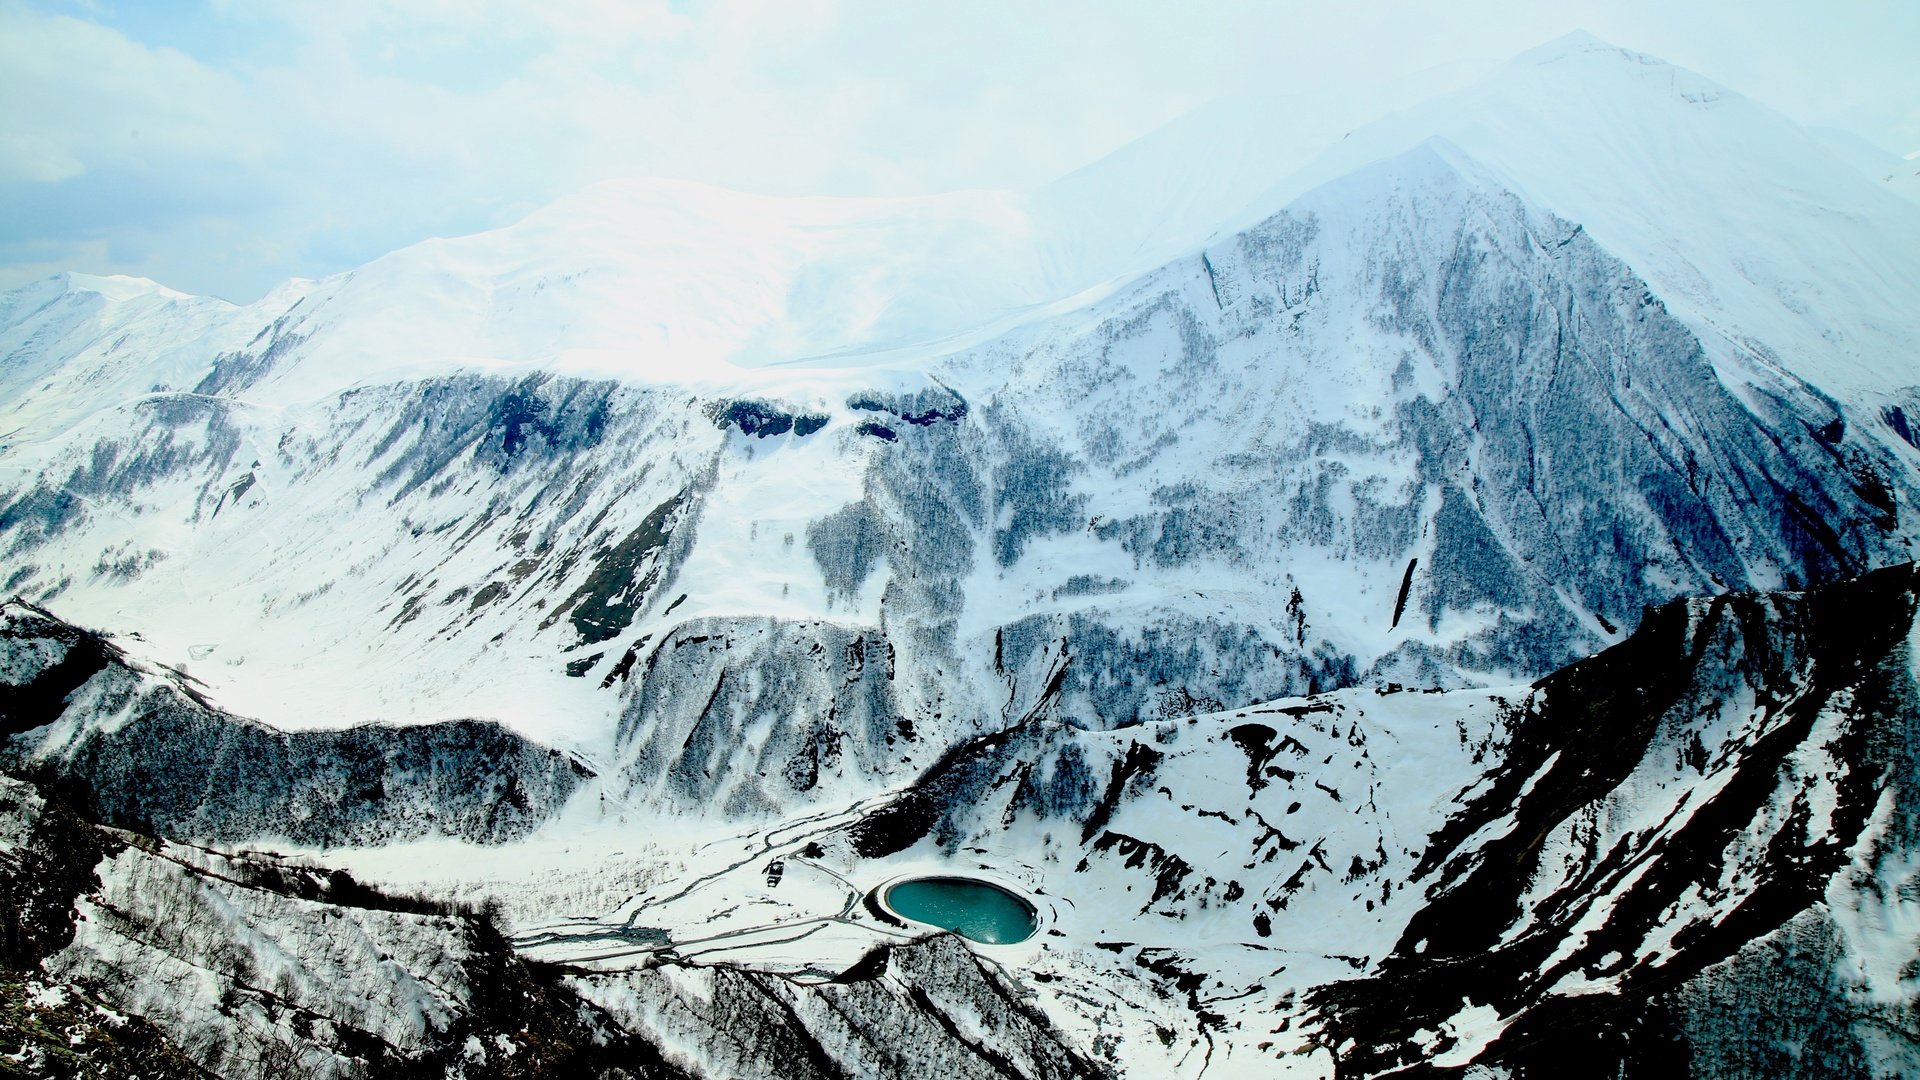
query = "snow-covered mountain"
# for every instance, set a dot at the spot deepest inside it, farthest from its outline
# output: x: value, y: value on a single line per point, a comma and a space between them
x: 672, y: 530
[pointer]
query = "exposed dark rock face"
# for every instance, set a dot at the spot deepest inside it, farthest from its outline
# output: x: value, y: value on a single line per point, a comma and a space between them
x: 624, y: 577
x: 1680, y: 819
x: 933, y: 405
x: 155, y: 755
x: 745, y: 715
x: 763, y: 418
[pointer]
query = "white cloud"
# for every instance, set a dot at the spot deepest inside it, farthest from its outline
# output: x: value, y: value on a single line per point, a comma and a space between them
x: 36, y: 157
x: 81, y: 96
x: 306, y: 135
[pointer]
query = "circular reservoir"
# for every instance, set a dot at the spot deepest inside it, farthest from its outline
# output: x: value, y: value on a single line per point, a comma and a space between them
x: 969, y: 907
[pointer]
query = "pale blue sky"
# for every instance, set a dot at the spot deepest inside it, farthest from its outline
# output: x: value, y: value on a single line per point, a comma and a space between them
x: 221, y: 146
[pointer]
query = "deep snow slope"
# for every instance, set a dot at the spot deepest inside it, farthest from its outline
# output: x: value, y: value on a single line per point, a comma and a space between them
x: 1900, y: 175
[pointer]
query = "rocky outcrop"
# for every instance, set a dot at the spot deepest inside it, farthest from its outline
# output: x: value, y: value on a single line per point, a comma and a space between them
x: 745, y: 716
x: 153, y: 754
x: 761, y: 419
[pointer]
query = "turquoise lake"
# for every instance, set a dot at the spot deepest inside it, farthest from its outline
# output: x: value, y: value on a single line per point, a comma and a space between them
x: 970, y: 908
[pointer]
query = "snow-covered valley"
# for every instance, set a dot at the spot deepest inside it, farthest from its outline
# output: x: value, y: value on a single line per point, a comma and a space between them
x: 1448, y: 604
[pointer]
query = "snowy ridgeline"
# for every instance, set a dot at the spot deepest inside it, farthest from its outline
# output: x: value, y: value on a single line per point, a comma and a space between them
x: 1692, y: 844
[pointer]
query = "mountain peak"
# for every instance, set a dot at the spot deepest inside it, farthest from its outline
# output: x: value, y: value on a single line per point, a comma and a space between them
x: 1572, y: 43
x: 116, y: 287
